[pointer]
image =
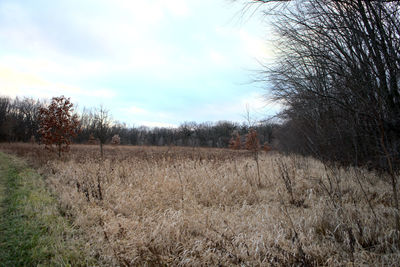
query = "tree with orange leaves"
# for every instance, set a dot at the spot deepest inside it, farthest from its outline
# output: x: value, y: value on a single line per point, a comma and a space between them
x: 58, y: 125
x: 252, y: 142
x: 235, y: 142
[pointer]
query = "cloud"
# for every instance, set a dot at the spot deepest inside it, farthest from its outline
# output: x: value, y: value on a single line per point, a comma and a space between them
x: 17, y: 83
x: 179, y: 56
x: 134, y: 110
x: 255, y: 46
x: 101, y: 93
x: 122, y: 36
x: 252, y: 45
x: 178, y: 8
x: 217, y: 57
x: 234, y: 109
x: 156, y: 124
x: 152, y: 117
x: 62, y: 66
x: 44, y: 27
x: 14, y: 83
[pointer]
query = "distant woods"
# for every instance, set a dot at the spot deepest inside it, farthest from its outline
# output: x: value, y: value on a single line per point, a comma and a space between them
x: 20, y: 121
x: 338, y: 74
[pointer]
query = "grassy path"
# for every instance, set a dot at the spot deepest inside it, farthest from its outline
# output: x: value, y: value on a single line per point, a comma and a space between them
x: 32, y: 231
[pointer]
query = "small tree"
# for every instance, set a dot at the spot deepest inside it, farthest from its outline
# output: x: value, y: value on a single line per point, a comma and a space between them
x: 102, y: 122
x: 115, y: 140
x: 235, y: 142
x: 58, y: 125
x: 253, y: 144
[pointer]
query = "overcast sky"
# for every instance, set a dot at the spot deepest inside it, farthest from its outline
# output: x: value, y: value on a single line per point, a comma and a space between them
x: 153, y: 62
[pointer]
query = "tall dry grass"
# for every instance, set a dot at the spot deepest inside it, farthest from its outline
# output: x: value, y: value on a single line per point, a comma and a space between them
x: 176, y: 206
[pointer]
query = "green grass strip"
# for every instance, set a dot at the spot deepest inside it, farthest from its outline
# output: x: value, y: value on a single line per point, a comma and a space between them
x: 32, y: 231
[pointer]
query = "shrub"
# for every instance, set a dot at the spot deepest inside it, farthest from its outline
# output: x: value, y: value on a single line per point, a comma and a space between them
x: 252, y: 142
x: 115, y: 140
x: 235, y: 142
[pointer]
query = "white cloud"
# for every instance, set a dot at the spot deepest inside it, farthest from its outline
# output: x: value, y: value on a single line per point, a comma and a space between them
x: 177, y: 7
x: 101, y: 93
x: 259, y: 104
x: 217, y: 58
x: 131, y: 38
x: 255, y: 46
x: 16, y: 83
x: 147, y: 12
x: 153, y: 45
x: 255, y: 101
x: 134, y: 110
x: 59, y: 65
x: 236, y: 109
x: 156, y: 124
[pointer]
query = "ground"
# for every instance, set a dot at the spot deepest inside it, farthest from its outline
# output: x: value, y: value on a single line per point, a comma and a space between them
x: 196, y: 207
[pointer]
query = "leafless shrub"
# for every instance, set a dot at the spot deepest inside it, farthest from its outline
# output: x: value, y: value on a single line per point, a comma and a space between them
x: 287, y: 173
x: 253, y: 144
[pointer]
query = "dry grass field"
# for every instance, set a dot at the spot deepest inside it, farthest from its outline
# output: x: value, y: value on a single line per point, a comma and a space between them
x: 195, y: 207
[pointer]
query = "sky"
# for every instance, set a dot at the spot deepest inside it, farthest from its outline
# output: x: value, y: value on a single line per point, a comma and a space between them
x: 157, y: 63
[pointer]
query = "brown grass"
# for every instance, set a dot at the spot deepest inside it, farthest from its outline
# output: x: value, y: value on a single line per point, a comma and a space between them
x: 184, y: 206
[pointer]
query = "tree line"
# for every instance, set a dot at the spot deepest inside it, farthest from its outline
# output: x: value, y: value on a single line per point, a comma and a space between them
x: 338, y: 74
x: 20, y: 122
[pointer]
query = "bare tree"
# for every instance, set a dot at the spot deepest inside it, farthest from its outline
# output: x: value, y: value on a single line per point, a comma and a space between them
x: 338, y: 74
x: 101, y: 126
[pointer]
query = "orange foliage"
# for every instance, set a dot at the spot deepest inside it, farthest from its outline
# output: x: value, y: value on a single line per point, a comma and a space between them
x: 235, y: 143
x: 57, y: 124
x: 267, y: 147
x: 252, y: 142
